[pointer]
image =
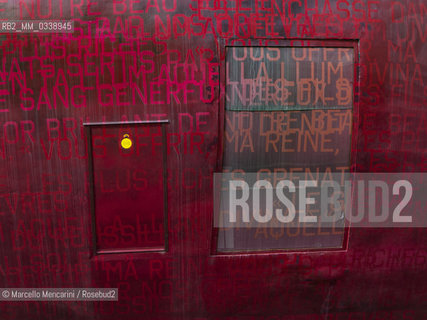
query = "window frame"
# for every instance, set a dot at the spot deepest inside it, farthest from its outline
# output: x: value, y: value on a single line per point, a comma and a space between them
x: 223, y: 45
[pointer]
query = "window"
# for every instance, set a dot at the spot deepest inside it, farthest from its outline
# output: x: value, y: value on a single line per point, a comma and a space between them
x: 287, y: 110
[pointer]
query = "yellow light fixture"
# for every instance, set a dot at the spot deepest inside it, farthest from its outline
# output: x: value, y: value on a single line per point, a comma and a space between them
x: 126, y: 143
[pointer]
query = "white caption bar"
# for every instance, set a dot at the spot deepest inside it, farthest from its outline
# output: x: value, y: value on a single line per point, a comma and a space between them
x: 59, y: 294
x: 37, y: 26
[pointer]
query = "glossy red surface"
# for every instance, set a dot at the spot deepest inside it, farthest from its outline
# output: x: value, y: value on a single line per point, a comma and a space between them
x: 156, y: 60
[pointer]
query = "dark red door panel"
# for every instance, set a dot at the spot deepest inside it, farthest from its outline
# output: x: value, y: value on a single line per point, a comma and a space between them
x: 129, y: 193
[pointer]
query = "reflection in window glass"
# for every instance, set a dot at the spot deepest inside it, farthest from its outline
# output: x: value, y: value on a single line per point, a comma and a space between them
x: 287, y: 110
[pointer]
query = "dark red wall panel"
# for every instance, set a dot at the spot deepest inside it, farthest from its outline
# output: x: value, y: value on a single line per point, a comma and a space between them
x: 158, y: 60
